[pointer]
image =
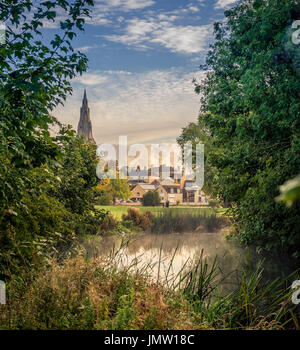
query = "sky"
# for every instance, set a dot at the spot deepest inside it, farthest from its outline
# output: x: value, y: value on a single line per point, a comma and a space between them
x: 143, y: 56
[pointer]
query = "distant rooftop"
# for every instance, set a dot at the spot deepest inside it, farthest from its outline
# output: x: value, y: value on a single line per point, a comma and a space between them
x: 147, y: 187
x: 167, y: 181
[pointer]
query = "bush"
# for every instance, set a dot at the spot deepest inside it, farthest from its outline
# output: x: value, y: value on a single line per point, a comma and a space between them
x: 142, y: 220
x: 34, y: 227
x: 151, y: 198
x: 109, y: 223
x: 213, y: 203
x: 104, y: 198
x: 45, y: 206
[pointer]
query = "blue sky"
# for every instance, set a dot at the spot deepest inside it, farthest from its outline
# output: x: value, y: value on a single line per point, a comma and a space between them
x: 143, y: 56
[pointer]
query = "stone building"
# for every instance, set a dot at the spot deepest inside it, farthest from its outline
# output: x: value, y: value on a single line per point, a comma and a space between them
x: 139, y: 190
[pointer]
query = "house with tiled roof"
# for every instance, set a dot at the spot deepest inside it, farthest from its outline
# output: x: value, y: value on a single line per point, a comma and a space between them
x: 171, y: 193
x: 139, y: 190
x: 187, y: 192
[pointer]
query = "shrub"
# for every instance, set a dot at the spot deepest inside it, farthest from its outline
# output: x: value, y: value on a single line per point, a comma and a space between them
x: 213, y: 203
x: 151, y: 198
x: 104, y: 198
x: 109, y: 223
x: 143, y: 220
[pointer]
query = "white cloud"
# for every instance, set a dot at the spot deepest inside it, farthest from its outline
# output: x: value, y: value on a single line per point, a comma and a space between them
x: 193, y: 8
x: 149, y: 106
x: 224, y: 4
x: 86, y: 48
x: 101, y: 11
x: 91, y: 79
x: 123, y: 5
x: 182, y: 39
x: 188, y: 39
x: 104, y: 10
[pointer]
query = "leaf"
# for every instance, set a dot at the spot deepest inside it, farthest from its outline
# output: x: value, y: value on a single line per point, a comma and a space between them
x: 290, y: 191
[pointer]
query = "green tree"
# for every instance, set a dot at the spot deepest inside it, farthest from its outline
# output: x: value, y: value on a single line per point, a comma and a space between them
x: 250, y: 110
x: 119, y: 189
x: 151, y: 198
x: 196, y: 133
x: 77, y: 173
x: 34, y: 78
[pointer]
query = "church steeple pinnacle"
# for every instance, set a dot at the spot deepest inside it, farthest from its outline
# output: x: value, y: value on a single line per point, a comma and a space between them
x: 85, y: 100
x: 85, y: 124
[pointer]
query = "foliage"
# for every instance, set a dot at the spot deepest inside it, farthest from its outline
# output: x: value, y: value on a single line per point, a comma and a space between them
x: 290, y: 191
x: 98, y: 294
x: 93, y: 223
x: 109, y: 223
x: 120, y: 189
x: 112, y: 189
x: 80, y: 294
x: 34, y: 76
x: 104, y: 198
x: 151, y: 198
x: 254, y: 304
x: 196, y: 133
x: 77, y: 172
x: 143, y: 220
x: 250, y: 115
x: 172, y: 220
x: 34, y: 225
x: 54, y: 205
x: 46, y: 181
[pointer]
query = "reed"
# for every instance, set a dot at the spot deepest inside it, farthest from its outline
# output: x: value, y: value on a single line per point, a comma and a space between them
x: 110, y: 293
x: 172, y: 220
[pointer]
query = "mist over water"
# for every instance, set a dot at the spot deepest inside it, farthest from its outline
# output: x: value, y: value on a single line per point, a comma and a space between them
x: 165, y: 256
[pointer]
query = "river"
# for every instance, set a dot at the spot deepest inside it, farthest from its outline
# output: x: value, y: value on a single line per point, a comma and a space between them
x: 167, y: 256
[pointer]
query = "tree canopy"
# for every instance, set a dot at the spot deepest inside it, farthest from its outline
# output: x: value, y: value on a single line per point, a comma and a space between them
x: 47, y: 182
x: 35, y: 75
x: 250, y: 118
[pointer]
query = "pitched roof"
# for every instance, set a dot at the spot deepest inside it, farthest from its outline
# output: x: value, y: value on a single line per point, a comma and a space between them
x: 147, y: 187
x: 167, y: 181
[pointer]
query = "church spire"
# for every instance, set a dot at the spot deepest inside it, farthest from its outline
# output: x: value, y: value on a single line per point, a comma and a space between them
x: 85, y: 124
x: 85, y: 100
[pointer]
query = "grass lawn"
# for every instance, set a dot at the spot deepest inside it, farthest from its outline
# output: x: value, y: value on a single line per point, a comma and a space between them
x: 117, y: 211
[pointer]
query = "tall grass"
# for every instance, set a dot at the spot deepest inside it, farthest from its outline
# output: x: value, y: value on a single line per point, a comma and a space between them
x: 94, y: 294
x: 172, y: 220
x: 254, y: 304
x: 105, y: 293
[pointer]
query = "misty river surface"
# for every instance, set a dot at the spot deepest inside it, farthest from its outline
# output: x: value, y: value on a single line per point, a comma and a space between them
x: 167, y: 256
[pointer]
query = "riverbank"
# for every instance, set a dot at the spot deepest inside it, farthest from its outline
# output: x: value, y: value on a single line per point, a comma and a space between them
x: 118, y: 219
x: 118, y: 210
x: 114, y: 291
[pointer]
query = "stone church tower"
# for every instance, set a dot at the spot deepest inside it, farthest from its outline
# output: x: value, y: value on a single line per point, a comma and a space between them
x: 85, y: 124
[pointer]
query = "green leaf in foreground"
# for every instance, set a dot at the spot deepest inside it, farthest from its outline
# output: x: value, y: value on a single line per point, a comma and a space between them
x: 290, y: 191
